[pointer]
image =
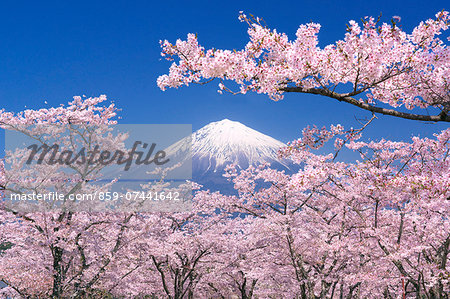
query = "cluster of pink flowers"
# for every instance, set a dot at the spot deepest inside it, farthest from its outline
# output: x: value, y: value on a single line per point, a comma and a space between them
x: 80, y: 110
x: 332, y: 229
x: 379, y: 61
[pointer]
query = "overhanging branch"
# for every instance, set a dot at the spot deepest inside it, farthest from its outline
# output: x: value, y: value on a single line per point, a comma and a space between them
x: 443, y: 116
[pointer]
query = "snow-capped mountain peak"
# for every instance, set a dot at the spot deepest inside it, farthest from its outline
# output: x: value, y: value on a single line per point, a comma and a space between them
x: 227, y: 141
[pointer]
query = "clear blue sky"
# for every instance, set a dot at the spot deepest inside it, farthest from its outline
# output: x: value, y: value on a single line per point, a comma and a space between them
x: 51, y: 51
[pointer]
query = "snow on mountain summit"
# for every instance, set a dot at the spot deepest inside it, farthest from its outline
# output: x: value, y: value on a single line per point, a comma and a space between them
x: 229, y: 142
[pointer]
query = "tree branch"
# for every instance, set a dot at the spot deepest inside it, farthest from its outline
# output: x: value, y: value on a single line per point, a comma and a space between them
x: 348, y: 99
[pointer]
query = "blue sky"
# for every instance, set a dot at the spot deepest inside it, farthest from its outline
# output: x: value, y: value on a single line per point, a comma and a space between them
x: 51, y: 51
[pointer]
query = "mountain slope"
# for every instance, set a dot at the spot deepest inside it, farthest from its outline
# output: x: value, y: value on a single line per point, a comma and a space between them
x: 225, y: 142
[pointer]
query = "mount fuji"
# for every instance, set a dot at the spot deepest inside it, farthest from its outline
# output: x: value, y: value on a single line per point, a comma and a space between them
x: 225, y: 142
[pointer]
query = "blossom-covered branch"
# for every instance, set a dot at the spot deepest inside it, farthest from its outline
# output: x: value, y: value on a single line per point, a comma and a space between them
x: 376, y: 63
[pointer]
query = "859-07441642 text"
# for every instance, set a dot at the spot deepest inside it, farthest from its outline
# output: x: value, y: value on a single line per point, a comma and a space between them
x: 102, y: 196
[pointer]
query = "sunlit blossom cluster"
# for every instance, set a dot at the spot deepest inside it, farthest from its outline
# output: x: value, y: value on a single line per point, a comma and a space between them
x: 374, y: 62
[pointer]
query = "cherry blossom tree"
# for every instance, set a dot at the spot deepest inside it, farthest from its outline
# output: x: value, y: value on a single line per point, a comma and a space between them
x: 372, y: 228
x: 354, y: 229
x: 376, y: 63
x: 60, y: 252
x: 77, y: 253
x: 333, y: 229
